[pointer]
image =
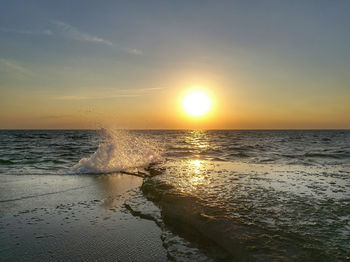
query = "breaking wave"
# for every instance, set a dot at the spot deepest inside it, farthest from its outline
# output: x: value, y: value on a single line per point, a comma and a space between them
x: 120, y: 150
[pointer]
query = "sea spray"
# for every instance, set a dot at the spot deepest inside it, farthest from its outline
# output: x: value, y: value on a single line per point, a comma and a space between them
x: 121, y: 150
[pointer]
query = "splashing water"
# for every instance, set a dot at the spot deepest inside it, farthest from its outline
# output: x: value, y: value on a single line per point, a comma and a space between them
x: 121, y: 150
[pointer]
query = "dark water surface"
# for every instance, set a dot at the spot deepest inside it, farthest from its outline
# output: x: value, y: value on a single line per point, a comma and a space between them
x: 250, y: 195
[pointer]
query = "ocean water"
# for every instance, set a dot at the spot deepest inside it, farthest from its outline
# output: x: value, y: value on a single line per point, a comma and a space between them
x: 233, y: 195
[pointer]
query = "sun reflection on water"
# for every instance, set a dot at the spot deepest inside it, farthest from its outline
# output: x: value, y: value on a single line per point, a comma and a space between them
x: 196, y: 173
x: 197, y: 139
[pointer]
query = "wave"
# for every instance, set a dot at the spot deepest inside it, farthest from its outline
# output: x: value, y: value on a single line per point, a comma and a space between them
x: 239, y: 154
x: 6, y: 162
x: 317, y: 155
x: 120, y: 150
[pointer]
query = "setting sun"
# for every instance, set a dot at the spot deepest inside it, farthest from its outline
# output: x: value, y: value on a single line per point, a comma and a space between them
x: 196, y: 103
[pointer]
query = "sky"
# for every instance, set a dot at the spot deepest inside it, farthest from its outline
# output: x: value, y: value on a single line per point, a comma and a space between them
x: 128, y: 64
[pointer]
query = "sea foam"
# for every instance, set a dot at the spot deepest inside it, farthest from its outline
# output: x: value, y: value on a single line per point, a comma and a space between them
x: 120, y: 150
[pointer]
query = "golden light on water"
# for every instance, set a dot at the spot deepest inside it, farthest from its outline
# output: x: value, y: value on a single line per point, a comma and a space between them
x: 196, y: 103
x: 197, y: 176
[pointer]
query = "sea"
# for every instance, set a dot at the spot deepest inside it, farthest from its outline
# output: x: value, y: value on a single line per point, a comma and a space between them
x: 225, y: 195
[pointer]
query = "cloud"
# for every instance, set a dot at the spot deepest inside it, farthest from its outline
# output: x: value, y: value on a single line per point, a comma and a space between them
x: 69, y: 31
x: 77, y: 97
x: 134, y: 51
x: 140, y: 90
x: 112, y: 94
x: 74, y: 33
x: 9, y: 65
x: 54, y: 116
x: 27, y: 32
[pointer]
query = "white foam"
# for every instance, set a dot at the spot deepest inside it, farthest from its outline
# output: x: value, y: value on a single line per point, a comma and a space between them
x: 120, y: 150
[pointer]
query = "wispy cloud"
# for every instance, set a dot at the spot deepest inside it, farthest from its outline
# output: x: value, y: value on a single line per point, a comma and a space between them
x: 134, y: 51
x: 72, y: 32
x: 140, y: 90
x: 13, y: 66
x: 54, y: 116
x: 26, y: 32
x: 122, y: 93
x: 66, y: 30
x: 78, y: 97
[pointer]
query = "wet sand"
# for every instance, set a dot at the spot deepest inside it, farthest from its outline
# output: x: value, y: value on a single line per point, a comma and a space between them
x: 74, y: 218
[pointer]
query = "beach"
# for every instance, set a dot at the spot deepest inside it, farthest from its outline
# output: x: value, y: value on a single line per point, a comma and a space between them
x: 74, y: 218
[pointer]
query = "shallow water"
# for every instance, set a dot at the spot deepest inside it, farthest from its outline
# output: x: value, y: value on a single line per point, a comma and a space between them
x: 257, y: 195
x: 74, y: 218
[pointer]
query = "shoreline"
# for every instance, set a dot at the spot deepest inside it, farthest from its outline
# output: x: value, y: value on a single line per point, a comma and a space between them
x: 55, y: 217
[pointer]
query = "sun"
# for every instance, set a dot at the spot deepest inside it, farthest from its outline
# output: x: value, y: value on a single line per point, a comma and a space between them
x: 196, y: 103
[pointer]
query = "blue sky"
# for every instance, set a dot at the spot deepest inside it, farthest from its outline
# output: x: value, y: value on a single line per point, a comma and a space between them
x: 81, y: 64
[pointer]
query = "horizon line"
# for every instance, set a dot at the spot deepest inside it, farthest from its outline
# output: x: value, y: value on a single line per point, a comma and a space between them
x: 177, y: 129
